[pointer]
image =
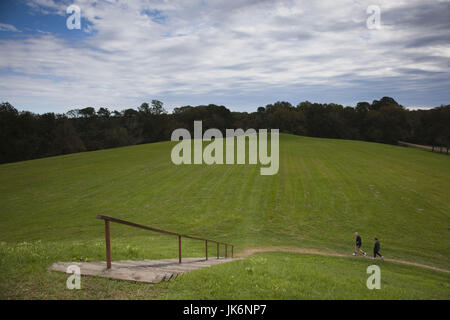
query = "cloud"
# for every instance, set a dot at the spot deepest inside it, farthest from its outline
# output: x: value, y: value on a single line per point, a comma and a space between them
x: 48, y: 6
x: 8, y: 28
x: 187, y: 52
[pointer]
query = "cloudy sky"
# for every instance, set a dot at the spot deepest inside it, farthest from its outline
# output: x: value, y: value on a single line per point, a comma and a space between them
x: 238, y: 53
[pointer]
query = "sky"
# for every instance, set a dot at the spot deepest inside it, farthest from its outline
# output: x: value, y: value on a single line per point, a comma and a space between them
x: 239, y: 53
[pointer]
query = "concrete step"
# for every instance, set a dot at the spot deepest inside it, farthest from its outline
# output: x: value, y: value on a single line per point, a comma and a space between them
x: 148, y: 271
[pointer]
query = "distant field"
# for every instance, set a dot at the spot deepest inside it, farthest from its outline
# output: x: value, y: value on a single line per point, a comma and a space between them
x: 325, y: 190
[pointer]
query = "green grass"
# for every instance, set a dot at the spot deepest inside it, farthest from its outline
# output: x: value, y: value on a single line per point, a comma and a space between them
x: 261, y: 276
x: 293, y: 276
x: 325, y: 190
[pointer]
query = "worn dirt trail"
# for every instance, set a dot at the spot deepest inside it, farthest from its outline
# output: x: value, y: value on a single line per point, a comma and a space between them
x: 250, y: 251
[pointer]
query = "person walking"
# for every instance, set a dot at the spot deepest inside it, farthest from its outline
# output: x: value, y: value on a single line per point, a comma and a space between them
x: 358, y: 245
x: 376, y: 249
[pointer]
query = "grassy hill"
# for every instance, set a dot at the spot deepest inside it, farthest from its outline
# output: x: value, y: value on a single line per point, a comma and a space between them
x: 324, y: 191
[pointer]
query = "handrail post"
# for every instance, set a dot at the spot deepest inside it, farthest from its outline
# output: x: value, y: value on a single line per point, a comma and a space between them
x: 206, y: 249
x: 217, y: 250
x: 108, y: 245
x: 226, y: 250
x: 179, y: 249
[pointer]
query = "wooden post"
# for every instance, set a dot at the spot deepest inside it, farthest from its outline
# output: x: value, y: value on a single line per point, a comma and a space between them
x: 179, y: 249
x: 217, y: 250
x: 226, y: 251
x: 232, y: 247
x: 206, y: 249
x: 108, y: 245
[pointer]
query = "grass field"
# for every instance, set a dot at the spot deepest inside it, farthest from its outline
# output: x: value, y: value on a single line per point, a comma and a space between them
x: 325, y: 190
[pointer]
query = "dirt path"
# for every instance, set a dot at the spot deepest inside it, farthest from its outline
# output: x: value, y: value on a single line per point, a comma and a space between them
x: 250, y: 251
x: 438, y: 149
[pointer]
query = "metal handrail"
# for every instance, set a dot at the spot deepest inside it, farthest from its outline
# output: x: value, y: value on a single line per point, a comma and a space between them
x: 108, y: 219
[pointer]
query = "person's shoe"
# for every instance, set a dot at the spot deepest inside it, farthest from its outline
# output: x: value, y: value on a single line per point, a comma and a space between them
x: 354, y: 253
x: 364, y: 254
x: 382, y: 258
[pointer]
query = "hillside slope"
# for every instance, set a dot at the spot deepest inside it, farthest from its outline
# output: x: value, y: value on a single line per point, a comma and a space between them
x: 324, y: 191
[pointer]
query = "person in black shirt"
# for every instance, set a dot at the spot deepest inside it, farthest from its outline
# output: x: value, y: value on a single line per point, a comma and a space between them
x: 358, y: 245
x: 376, y: 249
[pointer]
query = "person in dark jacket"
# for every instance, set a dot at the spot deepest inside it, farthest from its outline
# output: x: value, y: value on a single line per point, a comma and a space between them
x: 358, y: 245
x: 376, y: 249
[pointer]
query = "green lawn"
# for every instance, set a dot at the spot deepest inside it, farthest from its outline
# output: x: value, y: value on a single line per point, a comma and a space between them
x: 294, y: 276
x: 325, y: 190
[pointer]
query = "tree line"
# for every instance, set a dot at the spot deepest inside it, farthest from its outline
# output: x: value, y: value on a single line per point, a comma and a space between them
x: 25, y: 135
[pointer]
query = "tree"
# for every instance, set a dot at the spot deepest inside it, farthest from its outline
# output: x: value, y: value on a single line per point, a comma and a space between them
x: 87, y: 112
x: 103, y: 112
x: 144, y: 108
x: 157, y: 107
